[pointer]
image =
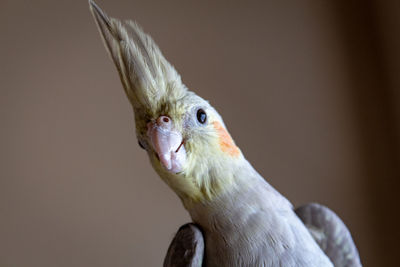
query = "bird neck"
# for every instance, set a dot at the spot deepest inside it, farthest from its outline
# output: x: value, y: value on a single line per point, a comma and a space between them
x: 213, y: 177
x: 236, y: 207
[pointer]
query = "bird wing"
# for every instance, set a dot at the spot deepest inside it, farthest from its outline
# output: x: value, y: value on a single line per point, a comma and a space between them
x: 187, y: 248
x: 330, y: 233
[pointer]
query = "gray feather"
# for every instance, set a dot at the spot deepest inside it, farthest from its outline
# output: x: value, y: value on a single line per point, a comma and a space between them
x: 248, y: 223
x: 187, y: 248
x: 330, y: 233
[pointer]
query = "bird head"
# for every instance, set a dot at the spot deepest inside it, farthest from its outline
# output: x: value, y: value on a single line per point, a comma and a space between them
x: 184, y: 136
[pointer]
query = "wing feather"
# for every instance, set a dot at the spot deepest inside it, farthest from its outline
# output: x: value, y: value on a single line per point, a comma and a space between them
x: 187, y: 248
x: 331, y: 234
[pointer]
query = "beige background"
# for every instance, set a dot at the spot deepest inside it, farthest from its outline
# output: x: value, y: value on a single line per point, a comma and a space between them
x: 308, y: 89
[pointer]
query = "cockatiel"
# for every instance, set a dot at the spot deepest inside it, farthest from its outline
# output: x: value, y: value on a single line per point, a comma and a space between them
x: 238, y: 218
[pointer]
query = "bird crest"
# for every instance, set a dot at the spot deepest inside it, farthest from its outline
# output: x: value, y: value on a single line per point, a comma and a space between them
x: 147, y: 77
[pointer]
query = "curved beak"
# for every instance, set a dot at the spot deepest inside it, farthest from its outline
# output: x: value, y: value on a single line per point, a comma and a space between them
x: 167, y: 143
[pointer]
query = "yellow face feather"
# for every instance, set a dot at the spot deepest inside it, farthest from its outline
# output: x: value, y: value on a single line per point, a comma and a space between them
x: 210, y: 150
x: 154, y: 88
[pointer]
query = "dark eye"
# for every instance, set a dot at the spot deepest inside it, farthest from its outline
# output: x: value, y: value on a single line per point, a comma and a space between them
x: 141, y: 145
x: 201, y: 116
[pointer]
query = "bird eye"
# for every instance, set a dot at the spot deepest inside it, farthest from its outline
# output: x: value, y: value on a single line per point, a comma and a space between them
x: 141, y: 145
x: 201, y: 116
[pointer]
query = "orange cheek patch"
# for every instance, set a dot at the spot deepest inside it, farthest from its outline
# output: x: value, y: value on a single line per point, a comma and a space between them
x: 225, y: 140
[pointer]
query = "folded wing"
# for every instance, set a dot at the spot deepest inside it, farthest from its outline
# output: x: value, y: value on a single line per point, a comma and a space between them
x: 330, y: 233
x: 187, y: 248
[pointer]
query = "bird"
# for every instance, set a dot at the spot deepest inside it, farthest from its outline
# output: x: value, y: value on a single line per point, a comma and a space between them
x: 238, y: 218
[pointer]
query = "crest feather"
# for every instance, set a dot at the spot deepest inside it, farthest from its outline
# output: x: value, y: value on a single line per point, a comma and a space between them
x: 146, y: 75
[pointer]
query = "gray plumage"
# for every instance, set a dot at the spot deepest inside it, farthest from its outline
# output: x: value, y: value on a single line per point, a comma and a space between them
x: 240, y: 220
x: 330, y: 233
x: 325, y: 226
x: 187, y: 248
x: 256, y: 227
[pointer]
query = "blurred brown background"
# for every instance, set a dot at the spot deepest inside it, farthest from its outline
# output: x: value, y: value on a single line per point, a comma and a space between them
x: 308, y: 89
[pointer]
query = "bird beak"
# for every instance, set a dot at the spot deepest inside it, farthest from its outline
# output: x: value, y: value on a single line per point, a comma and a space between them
x: 167, y: 143
x: 149, y: 81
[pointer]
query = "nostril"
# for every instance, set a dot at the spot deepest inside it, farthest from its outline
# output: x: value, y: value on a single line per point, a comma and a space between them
x: 164, y: 121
